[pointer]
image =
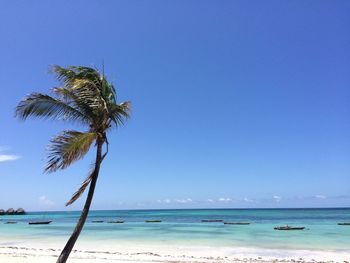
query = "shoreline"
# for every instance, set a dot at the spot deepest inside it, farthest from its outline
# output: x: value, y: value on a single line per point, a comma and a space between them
x: 173, y: 254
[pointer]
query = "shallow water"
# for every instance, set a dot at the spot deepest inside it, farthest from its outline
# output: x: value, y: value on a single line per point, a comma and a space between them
x: 184, y: 227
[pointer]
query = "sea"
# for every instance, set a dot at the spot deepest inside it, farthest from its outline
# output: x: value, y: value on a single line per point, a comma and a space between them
x: 185, y: 228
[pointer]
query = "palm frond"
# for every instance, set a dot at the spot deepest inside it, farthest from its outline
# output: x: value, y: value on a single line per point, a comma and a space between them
x: 89, y: 92
x: 108, y: 91
x: 77, y: 100
x: 81, y: 189
x: 118, y: 113
x: 70, y: 74
x: 88, y: 85
x: 95, y: 93
x: 45, y: 106
x: 67, y: 148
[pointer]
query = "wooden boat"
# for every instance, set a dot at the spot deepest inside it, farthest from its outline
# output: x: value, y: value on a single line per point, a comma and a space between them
x: 211, y: 220
x: 97, y: 221
x: 153, y: 221
x: 288, y: 228
x: 116, y: 222
x: 237, y: 223
x: 39, y: 222
x: 11, y: 222
x: 344, y: 224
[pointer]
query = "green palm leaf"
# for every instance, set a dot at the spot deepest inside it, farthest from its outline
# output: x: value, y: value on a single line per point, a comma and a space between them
x: 118, y: 113
x: 88, y: 90
x: 67, y: 148
x: 77, y: 100
x: 45, y: 106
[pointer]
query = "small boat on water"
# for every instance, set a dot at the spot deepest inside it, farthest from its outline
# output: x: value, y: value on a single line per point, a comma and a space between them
x: 116, y: 222
x: 11, y: 222
x: 97, y: 221
x: 39, y: 222
x: 344, y: 224
x: 153, y: 221
x: 212, y: 220
x: 288, y: 228
x: 237, y: 223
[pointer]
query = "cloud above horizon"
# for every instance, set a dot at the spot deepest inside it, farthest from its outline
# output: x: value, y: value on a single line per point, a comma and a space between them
x: 248, y: 200
x: 277, y: 198
x: 320, y: 196
x: 184, y: 201
x: 223, y: 199
x: 45, y: 201
x: 234, y: 202
x: 166, y: 201
x: 179, y: 201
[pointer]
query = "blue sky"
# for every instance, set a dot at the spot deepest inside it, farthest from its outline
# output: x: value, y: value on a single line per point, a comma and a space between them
x: 235, y: 103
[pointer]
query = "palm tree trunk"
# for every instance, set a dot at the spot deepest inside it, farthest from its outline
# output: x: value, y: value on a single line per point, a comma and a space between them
x: 70, y: 244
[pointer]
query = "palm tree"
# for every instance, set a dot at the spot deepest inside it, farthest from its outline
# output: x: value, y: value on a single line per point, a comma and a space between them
x: 88, y: 98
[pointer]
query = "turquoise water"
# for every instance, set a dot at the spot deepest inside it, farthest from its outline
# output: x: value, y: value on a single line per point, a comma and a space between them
x: 184, y: 227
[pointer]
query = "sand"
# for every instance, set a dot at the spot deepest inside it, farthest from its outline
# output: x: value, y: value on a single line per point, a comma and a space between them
x: 146, y: 254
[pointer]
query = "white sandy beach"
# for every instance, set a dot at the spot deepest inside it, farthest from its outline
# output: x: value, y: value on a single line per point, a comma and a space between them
x: 35, y: 254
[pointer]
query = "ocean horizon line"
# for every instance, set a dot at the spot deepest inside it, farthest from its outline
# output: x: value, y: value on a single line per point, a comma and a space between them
x: 186, y: 209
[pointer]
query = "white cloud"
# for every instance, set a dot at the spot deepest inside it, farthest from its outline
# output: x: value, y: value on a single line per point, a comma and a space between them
x: 223, y: 199
x: 179, y: 201
x: 7, y: 157
x: 277, y: 198
x: 246, y: 199
x: 184, y: 201
x: 166, y: 201
x: 45, y: 201
x: 320, y: 196
x: 210, y: 200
